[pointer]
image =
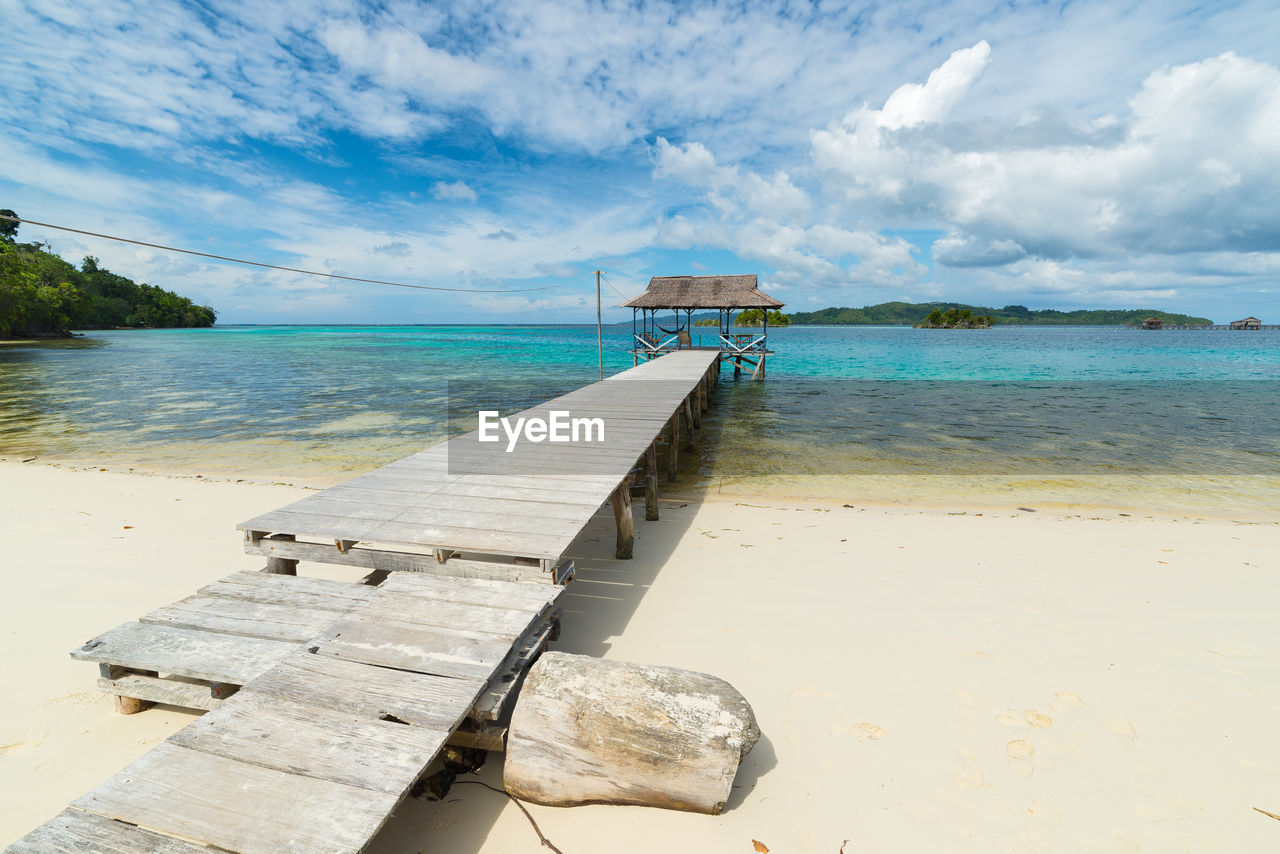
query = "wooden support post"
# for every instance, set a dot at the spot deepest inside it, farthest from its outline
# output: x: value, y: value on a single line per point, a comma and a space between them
x: 673, y: 448
x: 651, y: 483
x: 758, y: 374
x: 695, y: 400
x: 282, y: 565
x: 621, y: 501
x: 126, y: 705
x: 688, y: 423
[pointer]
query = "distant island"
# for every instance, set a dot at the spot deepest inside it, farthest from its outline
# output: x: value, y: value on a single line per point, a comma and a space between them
x: 750, y: 317
x: 43, y: 296
x: 954, y: 318
x: 916, y: 313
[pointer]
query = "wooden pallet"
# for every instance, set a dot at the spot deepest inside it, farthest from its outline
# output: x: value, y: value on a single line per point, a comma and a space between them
x: 199, y: 651
x: 314, y: 751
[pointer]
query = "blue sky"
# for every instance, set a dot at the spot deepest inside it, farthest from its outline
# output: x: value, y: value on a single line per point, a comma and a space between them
x: 1084, y: 154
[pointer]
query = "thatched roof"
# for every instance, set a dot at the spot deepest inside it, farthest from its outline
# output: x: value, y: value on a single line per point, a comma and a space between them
x: 702, y: 292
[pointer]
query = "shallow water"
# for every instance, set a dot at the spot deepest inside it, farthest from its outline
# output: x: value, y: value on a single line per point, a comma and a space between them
x: 1169, y: 420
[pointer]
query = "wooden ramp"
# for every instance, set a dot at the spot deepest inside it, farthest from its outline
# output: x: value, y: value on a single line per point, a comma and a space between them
x: 327, y: 735
x: 470, y: 508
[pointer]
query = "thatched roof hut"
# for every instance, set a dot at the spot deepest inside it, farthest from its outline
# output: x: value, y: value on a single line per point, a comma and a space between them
x: 1152, y: 323
x: 694, y: 292
x: 1247, y: 323
x: 682, y: 296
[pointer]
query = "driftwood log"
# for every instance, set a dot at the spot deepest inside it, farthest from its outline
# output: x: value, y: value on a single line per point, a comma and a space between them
x: 587, y: 731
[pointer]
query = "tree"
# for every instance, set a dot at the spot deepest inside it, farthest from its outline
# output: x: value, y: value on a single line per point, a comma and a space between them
x: 8, y: 228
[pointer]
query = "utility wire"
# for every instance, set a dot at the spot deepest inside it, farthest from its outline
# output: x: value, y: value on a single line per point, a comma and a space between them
x: 620, y: 294
x: 277, y: 266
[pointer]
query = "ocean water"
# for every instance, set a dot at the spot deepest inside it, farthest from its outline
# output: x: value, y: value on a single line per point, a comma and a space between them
x: 1168, y: 420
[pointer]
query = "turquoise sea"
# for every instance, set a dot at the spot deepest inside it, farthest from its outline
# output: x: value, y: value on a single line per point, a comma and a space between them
x: 1167, y: 420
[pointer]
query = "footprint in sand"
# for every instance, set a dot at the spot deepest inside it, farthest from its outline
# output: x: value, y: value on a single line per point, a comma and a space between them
x: 1015, y: 719
x: 1069, y: 700
x: 1038, y: 720
x: 862, y: 730
x: 969, y: 777
x: 1122, y: 728
x: 1020, y: 754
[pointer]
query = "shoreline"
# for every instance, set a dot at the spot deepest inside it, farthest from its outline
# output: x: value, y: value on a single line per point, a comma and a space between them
x: 797, y: 491
x: 924, y: 680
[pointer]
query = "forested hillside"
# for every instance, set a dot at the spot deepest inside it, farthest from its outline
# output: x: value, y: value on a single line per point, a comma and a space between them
x: 43, y: 295
x: 913, y: 313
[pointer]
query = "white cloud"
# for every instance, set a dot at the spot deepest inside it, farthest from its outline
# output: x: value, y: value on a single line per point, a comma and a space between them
x: 912, y: 103
x: 1195, y: 168
x: 453, y: 191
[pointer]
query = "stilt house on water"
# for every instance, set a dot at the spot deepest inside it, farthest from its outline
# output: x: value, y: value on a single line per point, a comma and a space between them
x: 1247, y: 323
x: 683, y: 295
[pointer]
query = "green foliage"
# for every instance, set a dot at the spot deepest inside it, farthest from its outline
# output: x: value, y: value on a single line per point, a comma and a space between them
x: 755, y: 317
x: 41, y: 294
x: 750, y: 317
x: 954, y: 318
x: 911, y: 314
x: 8, y: 229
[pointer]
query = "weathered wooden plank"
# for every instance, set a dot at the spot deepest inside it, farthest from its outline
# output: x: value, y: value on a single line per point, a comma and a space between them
x: 474, y: 620
x: 504, y: 684
x: 235, y: 616
x: 237, y: 806
x: 471, y: 540
x: 185, y: 652
x: 496, y: 594
x: 301, y: 591
x: 394, y: 561
x: 74, y: 831
x: 162, y: 689
x: 410, y: 533
x: 323, y: 682
x: 342, y: 747
x: 373, y: 640
x: 482, y: 515
x: 490, y: 503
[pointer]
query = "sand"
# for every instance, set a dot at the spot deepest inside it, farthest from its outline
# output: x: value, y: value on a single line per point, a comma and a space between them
x: 1010, y: 681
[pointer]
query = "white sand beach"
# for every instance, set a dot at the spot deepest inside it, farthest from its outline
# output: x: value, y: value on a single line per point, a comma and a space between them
x: 1046, y: 681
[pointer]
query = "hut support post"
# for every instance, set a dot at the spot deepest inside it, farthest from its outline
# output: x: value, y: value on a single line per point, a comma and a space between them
x: 651, y: 483
x: 621, y: 501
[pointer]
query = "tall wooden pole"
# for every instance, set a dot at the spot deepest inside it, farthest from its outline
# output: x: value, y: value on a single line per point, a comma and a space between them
x: 599, y: 329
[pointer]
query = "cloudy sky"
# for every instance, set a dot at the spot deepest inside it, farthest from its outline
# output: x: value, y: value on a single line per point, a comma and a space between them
x: 1051, y: 154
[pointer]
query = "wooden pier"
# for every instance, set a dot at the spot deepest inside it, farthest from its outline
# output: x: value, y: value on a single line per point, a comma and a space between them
x: 328, y: 700
x: 463, y: 508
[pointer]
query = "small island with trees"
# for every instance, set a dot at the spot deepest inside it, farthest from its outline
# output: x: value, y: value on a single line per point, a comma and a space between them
x: 43, y: 296
x: 750, y: 317
x: 954, y: 318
